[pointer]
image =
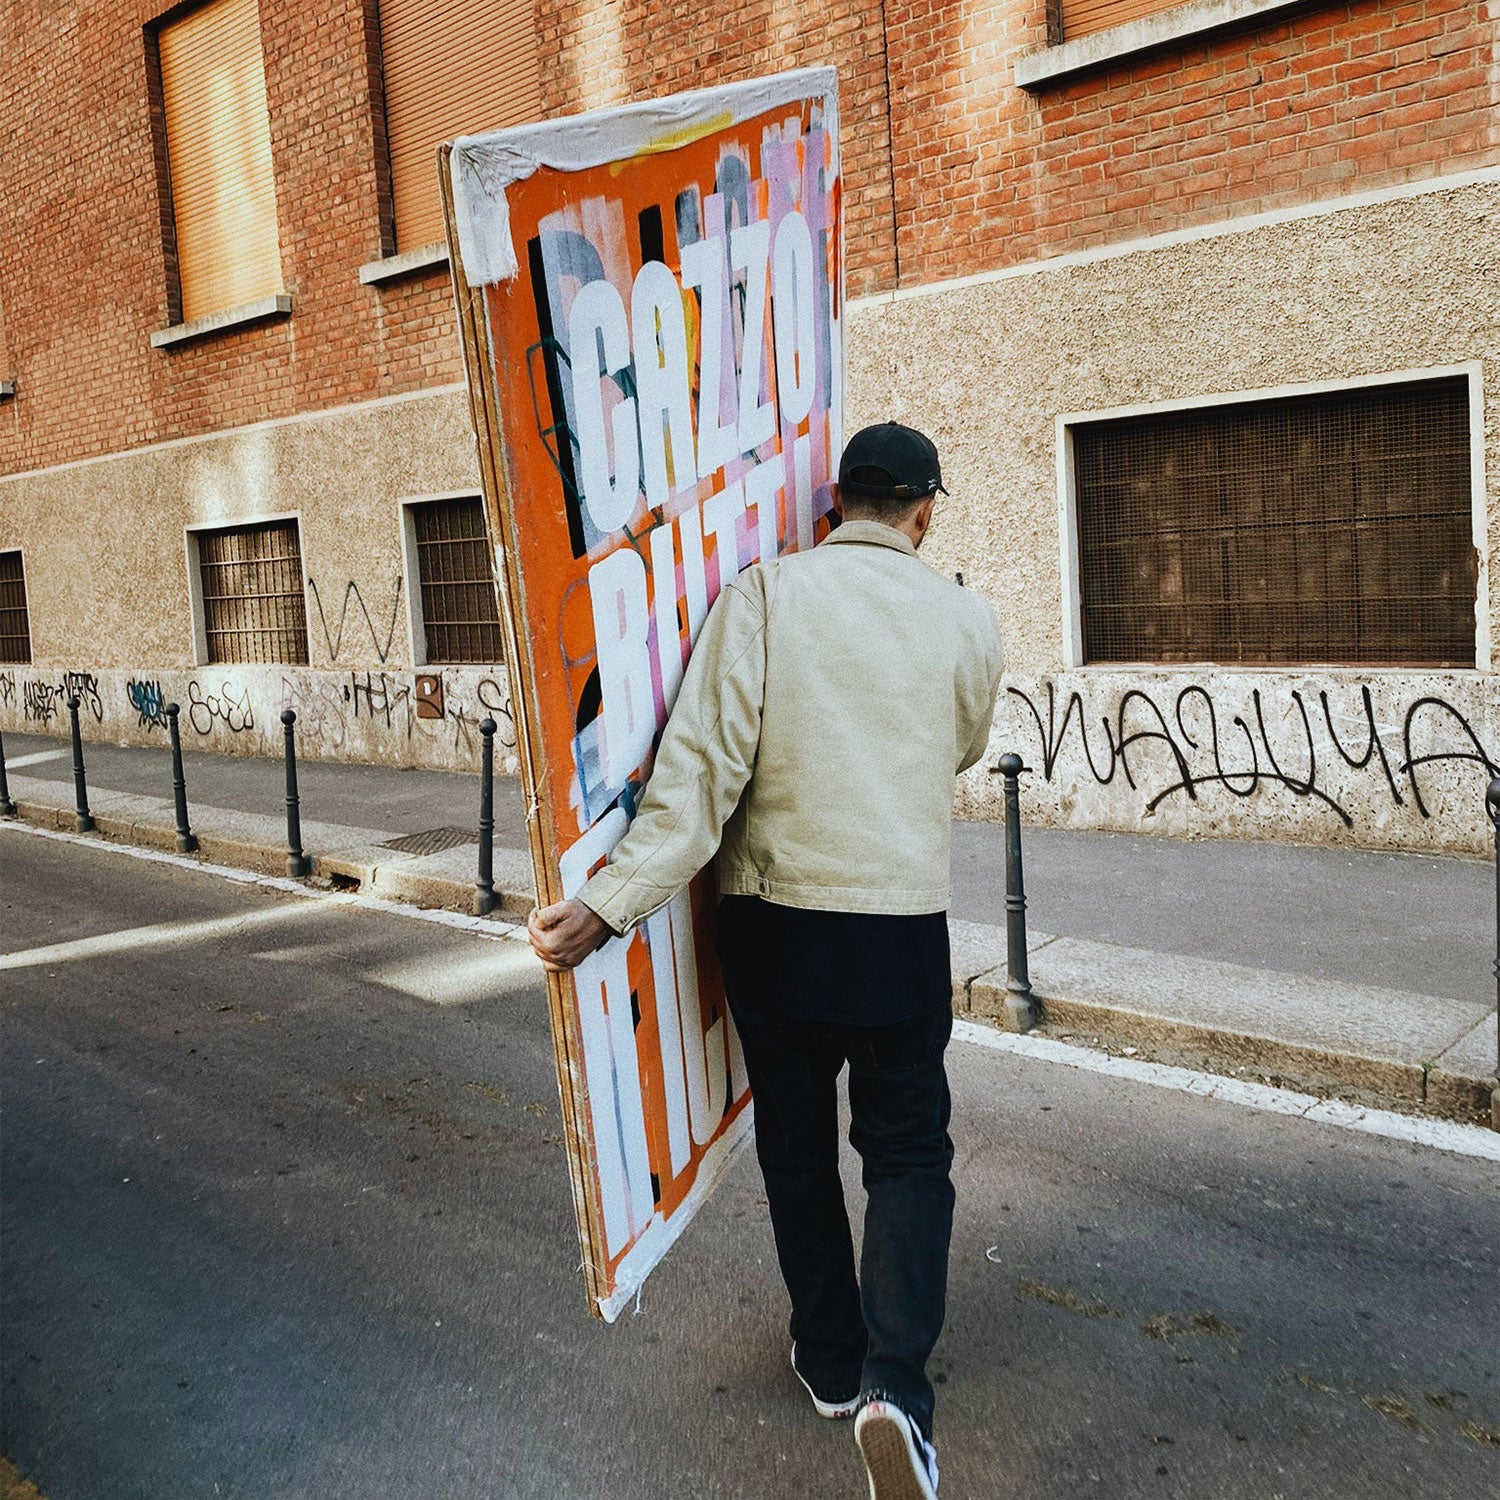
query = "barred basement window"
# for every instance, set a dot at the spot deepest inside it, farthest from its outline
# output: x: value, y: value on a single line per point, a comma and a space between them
x: 15, y: 624
x: 457, y: 577
x: 1333, y: 528
x: 254, y: 606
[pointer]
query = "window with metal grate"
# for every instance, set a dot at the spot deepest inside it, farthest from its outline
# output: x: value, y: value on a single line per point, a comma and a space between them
x: 460, y: 617
x: 15, y: 623
x: 254, y: 605
x: 1334, y: 528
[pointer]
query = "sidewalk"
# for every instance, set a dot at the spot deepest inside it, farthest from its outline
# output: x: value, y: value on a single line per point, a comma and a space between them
x: 1326, y: 969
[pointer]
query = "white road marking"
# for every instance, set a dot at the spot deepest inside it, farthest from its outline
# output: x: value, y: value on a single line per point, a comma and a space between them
x: 1441, y: 1135
x: 35, y: 759
x: 157, y: 935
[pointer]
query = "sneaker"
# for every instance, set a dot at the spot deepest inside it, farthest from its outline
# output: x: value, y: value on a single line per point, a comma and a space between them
x: 830, y: 1409
x: 901, y: 1463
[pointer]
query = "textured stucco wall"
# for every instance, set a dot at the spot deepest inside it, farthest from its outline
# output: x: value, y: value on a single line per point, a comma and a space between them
x: 1384, y: 760
x: 107, y: 585
x: 382, y: 715
x: 104, y: 540
x: 987, y: 368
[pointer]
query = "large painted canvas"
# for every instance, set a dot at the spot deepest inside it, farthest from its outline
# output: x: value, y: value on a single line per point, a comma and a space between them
x: 650, y: 300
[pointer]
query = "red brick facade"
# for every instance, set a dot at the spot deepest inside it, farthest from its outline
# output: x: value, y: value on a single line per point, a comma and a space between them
x: 1321, y: 100
x: 83, y: 276
x: 634, y: 49
x: 1310, y: 103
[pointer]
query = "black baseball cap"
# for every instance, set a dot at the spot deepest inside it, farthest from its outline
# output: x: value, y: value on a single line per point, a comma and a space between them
x: 890, y: 462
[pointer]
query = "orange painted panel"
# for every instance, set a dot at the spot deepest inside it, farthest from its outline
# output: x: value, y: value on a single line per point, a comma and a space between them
x: 658, y: 393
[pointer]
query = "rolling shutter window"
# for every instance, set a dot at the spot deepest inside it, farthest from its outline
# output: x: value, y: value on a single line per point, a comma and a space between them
x: 213, y: 84
x: 452, y: 67
x: 1080, y: 17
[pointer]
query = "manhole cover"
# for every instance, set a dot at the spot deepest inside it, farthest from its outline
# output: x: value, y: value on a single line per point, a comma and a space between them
x: 433, y: 841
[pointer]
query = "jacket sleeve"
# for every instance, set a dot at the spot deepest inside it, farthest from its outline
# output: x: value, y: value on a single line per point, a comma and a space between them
x: 705, y: 757
x: 979, y: 688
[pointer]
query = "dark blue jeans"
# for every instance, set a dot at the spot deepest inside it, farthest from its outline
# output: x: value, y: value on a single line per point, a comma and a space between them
x: 873, y: 1333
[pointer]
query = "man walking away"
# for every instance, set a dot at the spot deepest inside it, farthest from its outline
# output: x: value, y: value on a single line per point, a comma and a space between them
x: 830, y: 699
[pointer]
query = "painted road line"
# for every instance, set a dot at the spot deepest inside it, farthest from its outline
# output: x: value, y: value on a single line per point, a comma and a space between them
x: 16, y: 762
x: 1441, y: 1135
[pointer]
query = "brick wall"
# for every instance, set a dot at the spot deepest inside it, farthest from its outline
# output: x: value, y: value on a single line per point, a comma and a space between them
x: 81, y: 251
x: 1324, y: 100
x: 1329, y: 98
x: 610, y: 51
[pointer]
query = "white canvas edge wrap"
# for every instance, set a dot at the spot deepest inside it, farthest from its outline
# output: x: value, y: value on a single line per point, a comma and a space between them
x: 661, y: 1234
x: 483, y: 166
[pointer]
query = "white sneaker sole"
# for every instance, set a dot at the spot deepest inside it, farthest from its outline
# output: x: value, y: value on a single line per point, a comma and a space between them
x: 895, y: 1467
x: 832, y: 1410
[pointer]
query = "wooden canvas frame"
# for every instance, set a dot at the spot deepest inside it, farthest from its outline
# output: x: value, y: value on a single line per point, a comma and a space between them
x: 660, y: 210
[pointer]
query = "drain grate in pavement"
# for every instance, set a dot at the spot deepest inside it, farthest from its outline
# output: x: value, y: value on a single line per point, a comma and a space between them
x: 433, y: 841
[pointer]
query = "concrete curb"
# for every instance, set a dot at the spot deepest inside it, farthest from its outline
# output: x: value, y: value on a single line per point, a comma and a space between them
x: 1414, y: 1052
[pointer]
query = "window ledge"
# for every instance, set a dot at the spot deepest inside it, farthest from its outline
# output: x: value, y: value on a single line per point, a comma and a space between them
x: 7, y: 389
x: 1049, y: 65
x: 408, y: 262
x: 277, y: 305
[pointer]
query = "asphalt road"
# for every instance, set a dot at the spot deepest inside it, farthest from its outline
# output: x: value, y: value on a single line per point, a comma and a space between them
x: 275, y: 1223
x: 1414, y: 922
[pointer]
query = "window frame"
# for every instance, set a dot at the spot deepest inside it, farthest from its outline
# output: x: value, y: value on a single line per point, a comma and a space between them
x: 30, y: 660
x: 416, y: 622
x: 192, y: 533
x: 1059, y: 59
x: 397, y: 260
x: 1070, y: 521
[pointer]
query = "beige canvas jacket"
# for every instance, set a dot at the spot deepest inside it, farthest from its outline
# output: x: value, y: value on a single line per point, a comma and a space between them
x: 829, y: 701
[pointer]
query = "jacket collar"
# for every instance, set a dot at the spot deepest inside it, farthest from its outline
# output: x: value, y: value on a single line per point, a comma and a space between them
x: 872, y: 533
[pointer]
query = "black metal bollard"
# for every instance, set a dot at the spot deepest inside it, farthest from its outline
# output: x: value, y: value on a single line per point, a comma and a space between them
x: 1492, y: 807
x: 84, y: 821
x: 7, y: 807
x: 187, y: 841
x: 297, y: 863
x: 1020, y: 1005
x: 484, y: 885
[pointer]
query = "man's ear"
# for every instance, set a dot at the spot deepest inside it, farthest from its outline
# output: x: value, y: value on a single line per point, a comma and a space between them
x: 922, y: 517
x: 837, y: 496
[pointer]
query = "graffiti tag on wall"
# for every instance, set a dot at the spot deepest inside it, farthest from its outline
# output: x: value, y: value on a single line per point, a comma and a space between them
x: 43, y: 699
x: 148, y: 702
x: 1201, y: 741
x: 333, y: 636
